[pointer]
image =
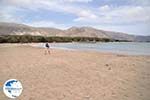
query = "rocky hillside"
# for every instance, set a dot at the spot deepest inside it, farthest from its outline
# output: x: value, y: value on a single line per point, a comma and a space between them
x: 21, y: 29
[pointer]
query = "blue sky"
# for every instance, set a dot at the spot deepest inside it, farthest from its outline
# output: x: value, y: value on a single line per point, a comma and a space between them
x: 129, y: 16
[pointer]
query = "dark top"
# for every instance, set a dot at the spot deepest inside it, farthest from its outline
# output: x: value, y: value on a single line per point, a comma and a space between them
x: 47, y: 45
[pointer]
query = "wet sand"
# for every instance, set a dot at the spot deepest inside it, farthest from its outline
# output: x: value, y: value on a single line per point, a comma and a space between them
x: 75, y: 75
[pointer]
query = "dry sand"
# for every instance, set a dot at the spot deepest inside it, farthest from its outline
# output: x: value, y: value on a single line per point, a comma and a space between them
x: 75, y: 75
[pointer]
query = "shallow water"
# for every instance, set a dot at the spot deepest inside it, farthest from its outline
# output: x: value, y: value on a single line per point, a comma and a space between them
x: 131, y: 48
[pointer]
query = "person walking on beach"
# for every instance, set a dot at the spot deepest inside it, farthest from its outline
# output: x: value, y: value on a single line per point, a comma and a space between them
x: 47, y: 48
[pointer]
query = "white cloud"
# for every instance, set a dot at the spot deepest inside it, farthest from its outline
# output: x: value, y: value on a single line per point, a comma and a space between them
x: 53, y: 5
x: 118, y: 15
x: 130, y: 14
x: 85, y: 15
x: 62, y: 6
x: 103, y: 14
x: 46, y: 23
x: 141, y: 2
x: 8, y: 15
x: 84, y: 1
x: 40, y: 3
x: 104, y: 8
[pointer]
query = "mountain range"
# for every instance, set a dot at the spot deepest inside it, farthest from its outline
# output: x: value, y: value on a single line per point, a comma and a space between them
x: 21, y: 29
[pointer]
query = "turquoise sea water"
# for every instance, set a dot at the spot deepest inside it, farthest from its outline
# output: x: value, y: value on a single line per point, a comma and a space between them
x: 131, y: 48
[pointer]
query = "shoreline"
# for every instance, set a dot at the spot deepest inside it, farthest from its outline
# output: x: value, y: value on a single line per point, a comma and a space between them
x: 56, y: 46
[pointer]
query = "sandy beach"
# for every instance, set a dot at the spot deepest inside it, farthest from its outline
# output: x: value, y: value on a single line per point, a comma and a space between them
x: 75, y: 75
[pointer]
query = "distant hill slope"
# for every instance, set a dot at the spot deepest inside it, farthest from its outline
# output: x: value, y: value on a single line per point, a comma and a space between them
x: 21, y: 29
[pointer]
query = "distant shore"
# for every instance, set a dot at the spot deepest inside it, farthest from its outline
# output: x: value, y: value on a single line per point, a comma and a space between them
x: 74, y: 75
x: 58, y: 39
